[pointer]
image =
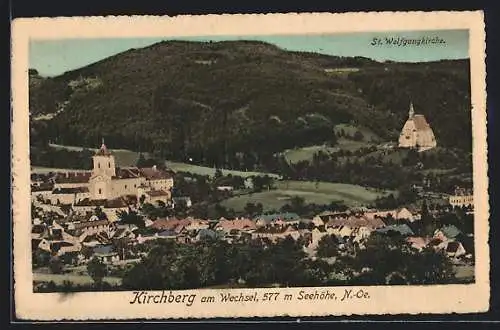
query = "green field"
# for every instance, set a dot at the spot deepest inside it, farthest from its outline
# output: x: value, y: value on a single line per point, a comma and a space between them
x: 123, y: 157
x: 129, y: 158
x: 323, y: 193
x: 368, y: 135
x: 299, y: 154
x: 75, y: 279
x: 210, y: 171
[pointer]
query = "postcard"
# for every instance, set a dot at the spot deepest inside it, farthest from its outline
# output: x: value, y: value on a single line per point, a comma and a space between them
x: 249, y: 166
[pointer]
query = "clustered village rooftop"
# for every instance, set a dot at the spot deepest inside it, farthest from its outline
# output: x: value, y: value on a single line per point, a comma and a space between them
x: 113, y: 190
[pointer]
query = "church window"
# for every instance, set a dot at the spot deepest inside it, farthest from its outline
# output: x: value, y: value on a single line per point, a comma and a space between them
x: 125, y: 186
x: 98, y: 165
x: 109, y: 164
x: 100, y: 191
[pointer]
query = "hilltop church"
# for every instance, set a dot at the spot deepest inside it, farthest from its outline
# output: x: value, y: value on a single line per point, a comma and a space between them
x: 417, y: 133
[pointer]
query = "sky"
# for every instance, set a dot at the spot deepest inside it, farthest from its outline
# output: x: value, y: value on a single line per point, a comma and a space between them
x: 54, y: 57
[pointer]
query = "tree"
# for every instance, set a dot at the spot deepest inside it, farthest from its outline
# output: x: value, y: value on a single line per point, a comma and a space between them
x: 218, y: 173
x: 55, y: 265
x: 132, y: 218
x: 41, y: 258
x: 297, y: 204
x: 97, y: 271
x: 358, y: 136
x: 327, y: 246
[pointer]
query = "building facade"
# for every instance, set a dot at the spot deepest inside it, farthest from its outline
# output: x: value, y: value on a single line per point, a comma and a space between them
x: 106, y: 181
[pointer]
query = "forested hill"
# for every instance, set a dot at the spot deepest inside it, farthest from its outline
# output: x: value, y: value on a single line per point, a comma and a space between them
x: 198, y: 99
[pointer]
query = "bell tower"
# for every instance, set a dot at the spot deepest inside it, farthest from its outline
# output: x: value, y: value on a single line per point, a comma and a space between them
x: 104, y: 162
x: 411, y: 113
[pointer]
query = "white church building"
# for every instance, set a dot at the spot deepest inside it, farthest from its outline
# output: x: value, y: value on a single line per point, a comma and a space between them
x: 107, y: 182
x: 417, y: 133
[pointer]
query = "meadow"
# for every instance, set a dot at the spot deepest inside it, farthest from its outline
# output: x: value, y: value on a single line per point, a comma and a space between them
x: 312, y: 192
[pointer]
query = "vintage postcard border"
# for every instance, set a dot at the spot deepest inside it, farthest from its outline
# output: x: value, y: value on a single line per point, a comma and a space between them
x: 115, y: 305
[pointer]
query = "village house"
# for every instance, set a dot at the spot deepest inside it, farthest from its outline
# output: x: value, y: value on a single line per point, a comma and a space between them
x: 398, y: 214
x: 68, y: 196
x: 416, y: 133
x: 197, y: 224
x: 55, y: 240
x: 279, y: 218
x: 274, y: 233
x: 106, y: 255
x: 323, y: 218
x: 401, y: 229
x: 111, y: 208
x: 462, y: 198
x: 417, y: 242
x: 239, y: 224
x: 93, y: 226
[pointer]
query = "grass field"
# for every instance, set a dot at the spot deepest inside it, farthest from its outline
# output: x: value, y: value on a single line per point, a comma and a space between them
x: 123, y: 157
x: 368, y: 135
x: 58, y: 279
x: 210, y: 171
x: 129, y: 158
x: 323, y: 193
x: 45, y: 170
x: 306, y: 153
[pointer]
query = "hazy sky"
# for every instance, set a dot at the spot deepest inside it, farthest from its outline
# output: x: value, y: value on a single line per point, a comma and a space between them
x: 54, y: 57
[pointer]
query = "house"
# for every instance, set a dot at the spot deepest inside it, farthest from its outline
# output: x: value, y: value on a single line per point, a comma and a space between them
x: 59, y: 247
x: 398, y: 214
x: 455, y: 249
x: 239, y: 224
x: 462, y: 198
x: 196, y: 224
x: 225, y: 188
x: 207, y: 234
x: 316, y: 235
x: 105, y: 254
x: 167, y: 234
x: 356, y: 221
x: 171, y: 223
x: 266, y: 219
x: 402, y: 229
x: 417, y: 242
x: 322, y: 218
x: 273, y: 233
x: 449, y: 232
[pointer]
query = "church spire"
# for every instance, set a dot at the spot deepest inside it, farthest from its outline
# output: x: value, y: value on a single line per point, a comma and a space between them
x: 103, y: 150
x: 411, y: 113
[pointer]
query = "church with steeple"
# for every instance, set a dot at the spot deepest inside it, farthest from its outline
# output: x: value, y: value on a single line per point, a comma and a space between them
x: 417, y: 133
x: 107, y: 181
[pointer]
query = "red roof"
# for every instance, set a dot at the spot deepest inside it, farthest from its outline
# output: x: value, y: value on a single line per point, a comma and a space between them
x: 157, y: 193
x: 73, y: 177
x: 420, y: 122
x: 152, y: 173
x: 103, y: 151
x: 126, y: 173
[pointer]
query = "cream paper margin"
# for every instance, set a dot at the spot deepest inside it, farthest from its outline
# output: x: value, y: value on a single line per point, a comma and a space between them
x: 115, y: 305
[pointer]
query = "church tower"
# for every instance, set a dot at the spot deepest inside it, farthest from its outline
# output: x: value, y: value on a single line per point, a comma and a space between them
x: 104, y: 162
x: 411, y: 113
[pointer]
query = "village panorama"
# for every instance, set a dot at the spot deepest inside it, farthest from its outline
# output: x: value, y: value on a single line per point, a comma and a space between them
x: 306, y: 176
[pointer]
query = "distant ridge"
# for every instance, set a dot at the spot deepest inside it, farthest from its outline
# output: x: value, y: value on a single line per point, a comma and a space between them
x: 182, y: 98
